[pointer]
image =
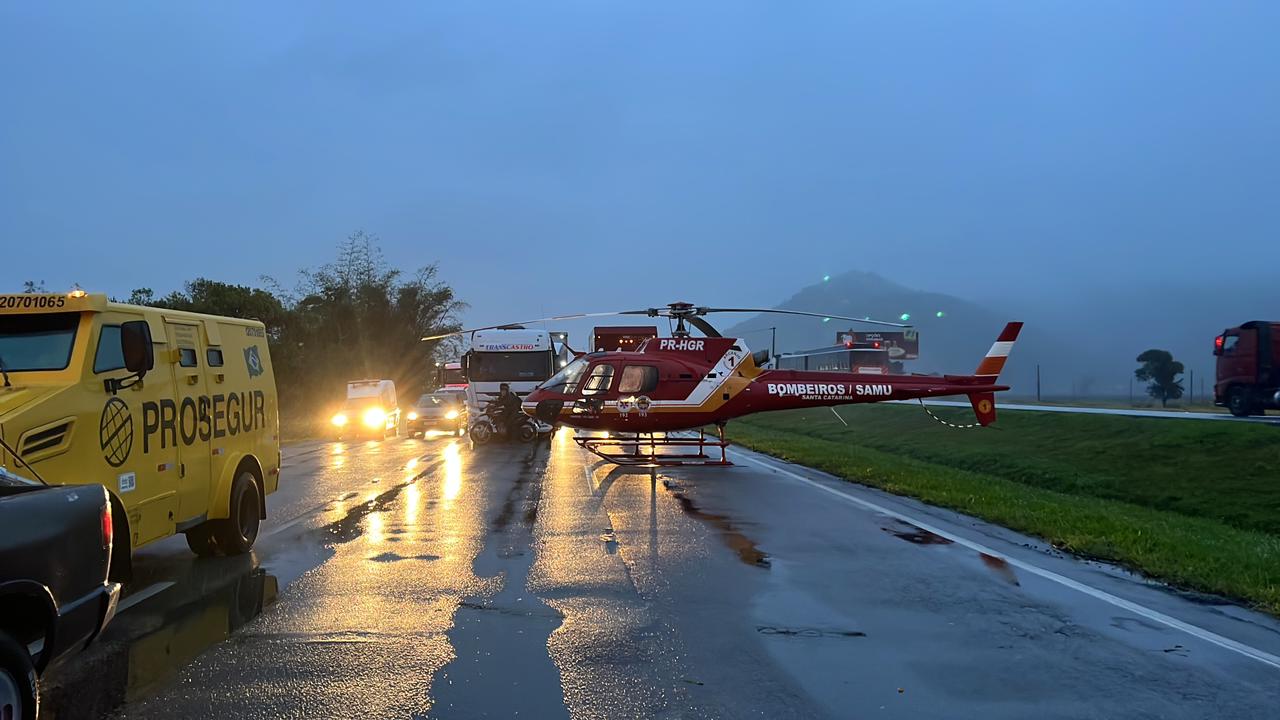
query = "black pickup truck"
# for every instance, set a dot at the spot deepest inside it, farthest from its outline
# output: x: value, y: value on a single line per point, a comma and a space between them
x: 55, y: 553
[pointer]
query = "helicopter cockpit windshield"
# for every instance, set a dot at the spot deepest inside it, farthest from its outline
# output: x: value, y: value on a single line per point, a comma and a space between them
x: 566, y: 381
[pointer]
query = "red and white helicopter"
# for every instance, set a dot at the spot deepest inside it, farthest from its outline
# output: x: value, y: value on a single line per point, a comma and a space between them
x: 668, y: 385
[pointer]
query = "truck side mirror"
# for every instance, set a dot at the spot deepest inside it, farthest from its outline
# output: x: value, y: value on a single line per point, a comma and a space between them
x: 465, y: 361
x: 135, y: 345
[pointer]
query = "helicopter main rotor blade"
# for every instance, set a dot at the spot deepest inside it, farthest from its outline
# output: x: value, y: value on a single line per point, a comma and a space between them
x: 704, y: 326
x: 800, y: 312
x: 573, y: 316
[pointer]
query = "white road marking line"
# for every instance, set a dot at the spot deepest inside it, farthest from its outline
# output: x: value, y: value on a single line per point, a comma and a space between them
x: 147, y: 592
x: 1153, y: 615
x: 281, y: 528
x: 1114, y: 412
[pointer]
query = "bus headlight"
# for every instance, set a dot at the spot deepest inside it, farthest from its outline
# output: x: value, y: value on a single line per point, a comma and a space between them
x: 339, y: 420
x: 413, y: 415
x: 451, y: 415
x: 374, y: 417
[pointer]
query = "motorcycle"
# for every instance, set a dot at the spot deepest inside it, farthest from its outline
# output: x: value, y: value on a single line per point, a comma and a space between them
x: 491, y: 425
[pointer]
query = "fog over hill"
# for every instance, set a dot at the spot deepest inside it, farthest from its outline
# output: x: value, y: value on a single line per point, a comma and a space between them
x: 1085, y: 345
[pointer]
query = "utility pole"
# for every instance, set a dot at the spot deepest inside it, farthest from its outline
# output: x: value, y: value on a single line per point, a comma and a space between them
x: 1037, y: 382
x: 773, y: 342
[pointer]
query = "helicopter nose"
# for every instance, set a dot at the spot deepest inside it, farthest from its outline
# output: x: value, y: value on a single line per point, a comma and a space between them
x: 548, y: 410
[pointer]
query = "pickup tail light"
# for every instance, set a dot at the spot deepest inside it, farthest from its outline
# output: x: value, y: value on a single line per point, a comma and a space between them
x: 108, y: 529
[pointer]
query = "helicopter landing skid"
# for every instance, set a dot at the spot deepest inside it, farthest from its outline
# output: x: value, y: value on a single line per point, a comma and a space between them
x: 632, y: 450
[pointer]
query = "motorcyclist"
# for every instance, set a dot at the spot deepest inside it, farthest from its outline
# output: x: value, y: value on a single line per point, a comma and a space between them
x: 508, y: 406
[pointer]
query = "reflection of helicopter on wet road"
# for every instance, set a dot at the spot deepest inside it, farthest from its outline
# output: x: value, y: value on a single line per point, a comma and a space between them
x: 686, y: 383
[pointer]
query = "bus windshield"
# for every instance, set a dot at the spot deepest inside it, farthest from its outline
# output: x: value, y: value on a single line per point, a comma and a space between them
x: 37, y: 342
x: 509, y: 366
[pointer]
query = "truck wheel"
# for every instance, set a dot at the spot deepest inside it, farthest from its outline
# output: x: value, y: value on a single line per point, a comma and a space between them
x: 19, y: 685
x: 1238, y: 402
x: 201, y: 540
x: 236, y: 534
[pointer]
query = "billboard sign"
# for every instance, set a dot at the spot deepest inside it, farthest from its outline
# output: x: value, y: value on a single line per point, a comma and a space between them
x: 900, y: 344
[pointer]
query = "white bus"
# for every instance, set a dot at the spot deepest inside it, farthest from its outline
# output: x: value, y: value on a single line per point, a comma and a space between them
x: 519, y: 357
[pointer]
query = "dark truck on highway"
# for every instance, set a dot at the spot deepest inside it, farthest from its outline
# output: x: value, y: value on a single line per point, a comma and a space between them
x: 55, y: 551
x: 1248, y: 372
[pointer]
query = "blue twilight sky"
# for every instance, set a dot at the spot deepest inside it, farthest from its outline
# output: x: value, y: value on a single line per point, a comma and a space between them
x: 556, y: 156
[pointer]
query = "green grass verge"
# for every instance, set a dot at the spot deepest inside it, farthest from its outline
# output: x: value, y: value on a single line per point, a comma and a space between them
x: 1196, y: 504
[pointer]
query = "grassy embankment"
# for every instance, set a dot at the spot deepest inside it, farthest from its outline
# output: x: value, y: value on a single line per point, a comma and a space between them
x: 1193, y: 503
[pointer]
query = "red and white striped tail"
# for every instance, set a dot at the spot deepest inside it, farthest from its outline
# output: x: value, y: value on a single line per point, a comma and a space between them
x: 993, y: 363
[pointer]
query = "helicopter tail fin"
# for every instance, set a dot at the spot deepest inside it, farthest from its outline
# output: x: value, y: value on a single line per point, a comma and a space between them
x: 991, y: 365
x: 984, y: 406
x: 984, y: 403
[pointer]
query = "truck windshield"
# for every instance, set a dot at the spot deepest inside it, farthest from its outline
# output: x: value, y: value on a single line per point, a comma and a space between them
x: 509, y: 367
x: 38, y: 341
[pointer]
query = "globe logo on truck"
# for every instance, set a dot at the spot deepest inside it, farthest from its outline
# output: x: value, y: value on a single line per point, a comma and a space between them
x: 115, y: 431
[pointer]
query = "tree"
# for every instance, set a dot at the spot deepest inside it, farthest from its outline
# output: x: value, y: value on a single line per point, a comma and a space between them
x: 34, y: 286
x: 359, y: 318
x: 1161, y: 371
x: 142, y: 296
x: 350, y: 319
x: 219, y: 298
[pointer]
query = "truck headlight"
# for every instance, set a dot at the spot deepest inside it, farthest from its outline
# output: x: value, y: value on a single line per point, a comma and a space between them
x: 374, y: 417
x: 451, y: 415
x: 413, y: 415
x: 339, y: 420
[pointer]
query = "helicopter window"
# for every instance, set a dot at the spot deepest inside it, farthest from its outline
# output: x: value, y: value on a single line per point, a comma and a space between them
x: 599, y: 380
x: 638, y: 379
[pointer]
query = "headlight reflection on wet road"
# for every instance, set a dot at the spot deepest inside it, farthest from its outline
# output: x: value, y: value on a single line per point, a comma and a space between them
x: 452, y: 474
x: 373, y: 532
x: 412, y: 498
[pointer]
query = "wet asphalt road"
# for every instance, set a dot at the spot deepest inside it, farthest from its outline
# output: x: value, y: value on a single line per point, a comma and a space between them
x: 419, y: 578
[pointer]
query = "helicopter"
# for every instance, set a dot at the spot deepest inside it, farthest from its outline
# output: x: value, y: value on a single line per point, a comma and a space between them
x: 644, y: 400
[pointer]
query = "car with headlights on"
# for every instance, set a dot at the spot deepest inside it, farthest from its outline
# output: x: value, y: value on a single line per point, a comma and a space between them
x: 443, y: 410
x: 370, y: 411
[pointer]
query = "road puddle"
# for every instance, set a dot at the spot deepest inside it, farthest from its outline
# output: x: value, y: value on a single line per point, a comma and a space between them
x: 743, y: 546
x: 808, y: 632
x: 915, y: 535
x: 395, y: 557
x: 147, y: 648
x: 1001, y: 568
